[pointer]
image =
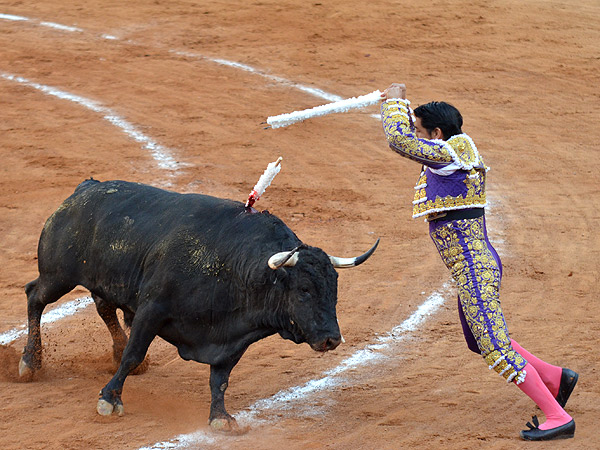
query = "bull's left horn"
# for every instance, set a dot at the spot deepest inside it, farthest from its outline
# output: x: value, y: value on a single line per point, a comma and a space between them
x: 284, y: 259
x: 344, y: 263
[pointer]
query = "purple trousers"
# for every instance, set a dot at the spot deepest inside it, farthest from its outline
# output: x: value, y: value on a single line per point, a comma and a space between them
x: 471, y: 341
x: 477, y: 270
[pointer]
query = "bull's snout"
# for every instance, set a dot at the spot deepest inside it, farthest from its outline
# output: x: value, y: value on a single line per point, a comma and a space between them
x: 329, y: 343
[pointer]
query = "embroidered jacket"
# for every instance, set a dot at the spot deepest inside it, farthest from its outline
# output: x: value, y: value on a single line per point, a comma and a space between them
x: 453, y: 175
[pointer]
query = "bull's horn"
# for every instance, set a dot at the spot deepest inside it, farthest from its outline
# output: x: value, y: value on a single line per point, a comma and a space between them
x: 287, y: 259
x: 343, y: 263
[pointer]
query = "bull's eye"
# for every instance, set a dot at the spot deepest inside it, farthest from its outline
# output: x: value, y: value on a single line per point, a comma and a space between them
x: 304, y: 294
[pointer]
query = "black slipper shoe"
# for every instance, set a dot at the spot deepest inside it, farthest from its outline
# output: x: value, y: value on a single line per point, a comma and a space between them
x: 568, y: 380
x: 534, y: 433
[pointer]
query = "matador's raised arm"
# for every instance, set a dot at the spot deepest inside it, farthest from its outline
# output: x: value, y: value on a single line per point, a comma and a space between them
x: 399, y: 127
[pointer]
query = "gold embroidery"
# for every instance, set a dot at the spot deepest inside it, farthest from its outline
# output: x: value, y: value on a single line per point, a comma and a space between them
x: 465, y: 151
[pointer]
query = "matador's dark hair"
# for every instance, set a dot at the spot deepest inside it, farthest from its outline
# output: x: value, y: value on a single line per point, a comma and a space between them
x: 440, y: 115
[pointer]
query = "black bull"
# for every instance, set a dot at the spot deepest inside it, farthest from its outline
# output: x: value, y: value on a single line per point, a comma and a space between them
x: 207, y: 275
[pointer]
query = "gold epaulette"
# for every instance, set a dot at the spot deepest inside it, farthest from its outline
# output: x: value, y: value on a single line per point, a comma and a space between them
x: 465, y: 152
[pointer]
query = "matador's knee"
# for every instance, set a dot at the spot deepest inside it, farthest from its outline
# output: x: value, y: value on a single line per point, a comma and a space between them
x: 507, y: 363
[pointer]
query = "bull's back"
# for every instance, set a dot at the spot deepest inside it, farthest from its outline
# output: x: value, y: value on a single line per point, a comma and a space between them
x: 112, y: 237
x: 106, y: 233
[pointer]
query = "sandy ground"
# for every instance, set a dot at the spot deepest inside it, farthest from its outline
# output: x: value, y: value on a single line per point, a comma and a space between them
x: 525, y: 75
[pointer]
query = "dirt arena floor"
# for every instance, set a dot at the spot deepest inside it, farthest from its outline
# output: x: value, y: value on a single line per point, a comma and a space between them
x: 525, y: 75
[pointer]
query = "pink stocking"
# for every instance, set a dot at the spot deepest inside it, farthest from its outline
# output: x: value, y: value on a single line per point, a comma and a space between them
x: 549, y: 374
x: 535, y: 388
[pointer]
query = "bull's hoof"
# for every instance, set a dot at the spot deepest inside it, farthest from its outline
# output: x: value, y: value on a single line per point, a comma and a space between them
x: 25, y: 371
x: 105, y: 408
x: 227, y: 426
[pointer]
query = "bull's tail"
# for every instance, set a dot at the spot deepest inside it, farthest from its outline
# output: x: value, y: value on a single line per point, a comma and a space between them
x: 86, y: 184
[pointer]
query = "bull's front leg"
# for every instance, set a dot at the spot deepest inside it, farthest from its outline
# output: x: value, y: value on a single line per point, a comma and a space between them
x: 219, y: 419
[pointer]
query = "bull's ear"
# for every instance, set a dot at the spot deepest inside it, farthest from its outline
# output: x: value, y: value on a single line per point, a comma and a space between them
x: 284, y: 259
x: 343, y: 263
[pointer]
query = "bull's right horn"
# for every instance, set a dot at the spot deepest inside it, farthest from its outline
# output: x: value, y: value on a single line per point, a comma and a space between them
x: 343, y: 263
x: 284, y: 259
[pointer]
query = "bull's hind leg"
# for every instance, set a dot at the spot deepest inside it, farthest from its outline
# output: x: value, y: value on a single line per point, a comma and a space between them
x: 40, y: 292
x: 147, y: 322
x: 108, y: 313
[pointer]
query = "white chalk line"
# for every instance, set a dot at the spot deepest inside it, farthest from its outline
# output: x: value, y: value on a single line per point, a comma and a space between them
x: 369, y: 354
x: 246, y: 68
x: 161, y: 155
x: 13, y: 18
x: 54, y: 315
x: 56, y: 26
x: 224, y: 62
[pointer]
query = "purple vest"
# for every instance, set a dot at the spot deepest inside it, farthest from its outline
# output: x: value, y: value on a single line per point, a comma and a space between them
x: 461, y: 190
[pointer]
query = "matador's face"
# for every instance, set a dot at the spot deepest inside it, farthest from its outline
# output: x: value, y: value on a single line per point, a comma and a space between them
x: 420, y: 131
x: 423, y: 133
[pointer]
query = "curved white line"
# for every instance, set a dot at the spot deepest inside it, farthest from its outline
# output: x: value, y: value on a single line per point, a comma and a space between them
x: 161, y: 154
x: 224, y: 62
x: 13, y: 17
x: 58, y: 26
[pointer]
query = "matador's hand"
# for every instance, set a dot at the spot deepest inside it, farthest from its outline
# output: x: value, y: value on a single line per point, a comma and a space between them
x: 396, y: 90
